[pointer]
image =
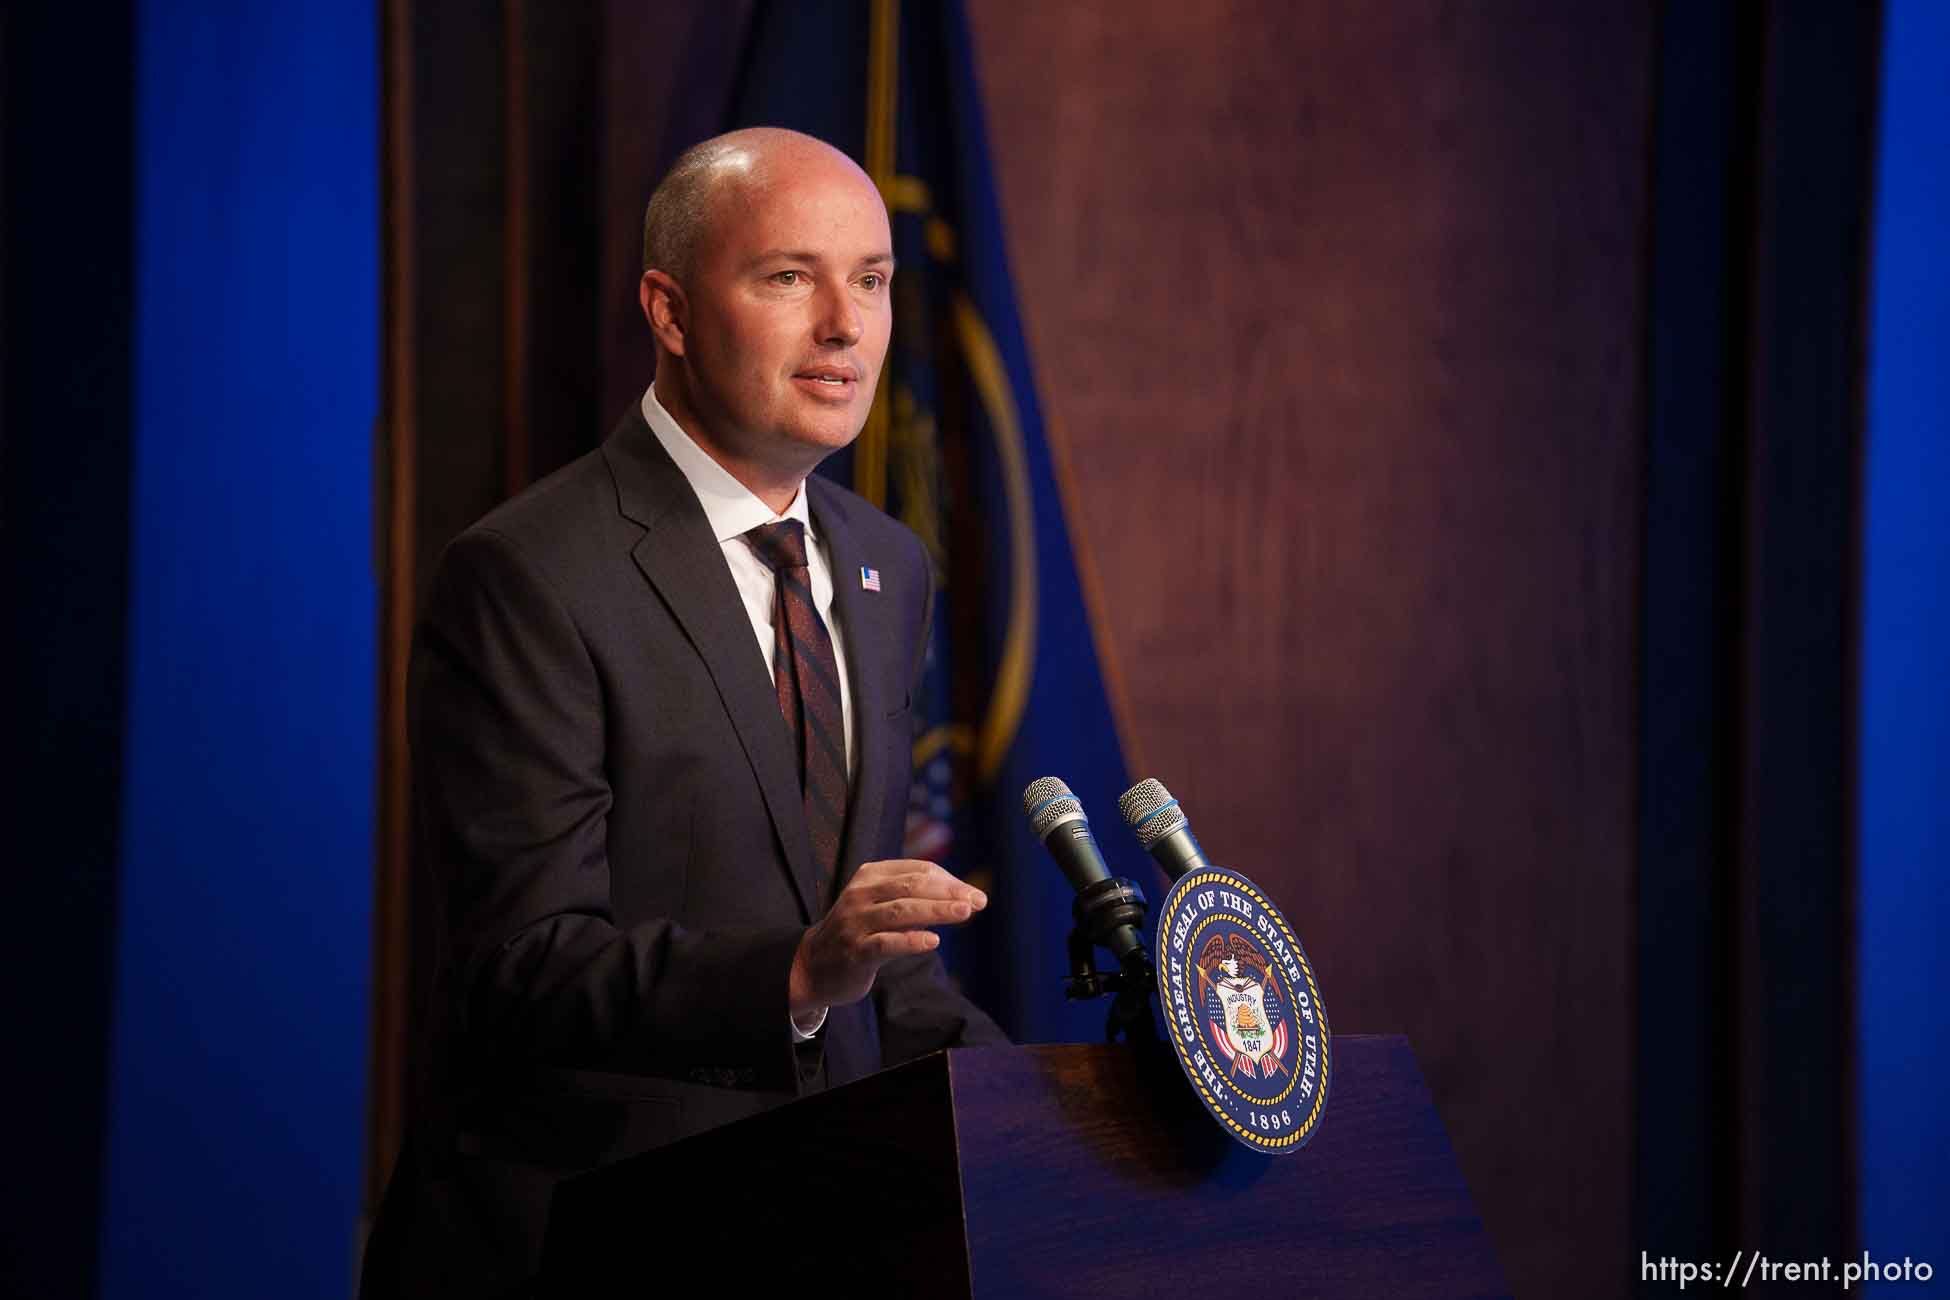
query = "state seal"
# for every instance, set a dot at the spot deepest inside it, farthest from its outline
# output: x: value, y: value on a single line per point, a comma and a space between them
x: 1243, y: 1010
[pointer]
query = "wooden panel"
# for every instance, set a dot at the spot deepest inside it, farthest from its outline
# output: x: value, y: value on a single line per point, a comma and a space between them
x: 456, y: 219
x: 553, y: 173
x: 668, y: 72
x: 1337, y: 310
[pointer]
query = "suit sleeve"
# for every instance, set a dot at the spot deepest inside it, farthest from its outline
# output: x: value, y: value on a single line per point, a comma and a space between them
x: 920, y: 1008
x: 508, y: 749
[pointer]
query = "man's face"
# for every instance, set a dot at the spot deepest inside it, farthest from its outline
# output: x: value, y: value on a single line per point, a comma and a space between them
x: 789, y: 312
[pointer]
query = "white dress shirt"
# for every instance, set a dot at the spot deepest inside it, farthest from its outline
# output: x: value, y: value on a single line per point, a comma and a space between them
x: 734, y: 511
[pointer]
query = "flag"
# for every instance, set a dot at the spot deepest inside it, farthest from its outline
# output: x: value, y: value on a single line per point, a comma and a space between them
x: 955, y: 448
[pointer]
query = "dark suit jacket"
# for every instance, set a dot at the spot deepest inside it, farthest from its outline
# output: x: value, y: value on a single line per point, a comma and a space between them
x: 610, y: 818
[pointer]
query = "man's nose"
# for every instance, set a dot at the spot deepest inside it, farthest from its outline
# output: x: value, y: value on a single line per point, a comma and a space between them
x: 840, y: 322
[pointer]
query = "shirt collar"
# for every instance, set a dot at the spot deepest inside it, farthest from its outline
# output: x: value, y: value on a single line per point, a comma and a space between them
x: 730, y: 506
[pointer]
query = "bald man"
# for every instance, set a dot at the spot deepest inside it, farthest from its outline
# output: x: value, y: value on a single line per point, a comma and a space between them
x: 662, y: 735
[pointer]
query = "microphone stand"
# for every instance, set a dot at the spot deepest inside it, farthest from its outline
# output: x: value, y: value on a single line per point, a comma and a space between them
x: 1100, y: 910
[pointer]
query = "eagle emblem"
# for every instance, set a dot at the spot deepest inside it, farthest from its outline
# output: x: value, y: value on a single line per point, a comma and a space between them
x: 1244, y: 1009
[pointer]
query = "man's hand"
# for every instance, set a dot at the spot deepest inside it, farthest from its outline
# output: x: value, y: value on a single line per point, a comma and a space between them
x: 884, y: 912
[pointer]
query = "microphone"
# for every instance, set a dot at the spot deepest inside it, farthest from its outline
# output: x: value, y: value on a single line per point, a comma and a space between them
x: 1056, y: 818
x: 1161, y: 828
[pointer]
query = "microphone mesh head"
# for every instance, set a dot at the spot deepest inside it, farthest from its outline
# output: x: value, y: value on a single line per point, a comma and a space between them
x: 1150, y: 810
x: 1046, y: 802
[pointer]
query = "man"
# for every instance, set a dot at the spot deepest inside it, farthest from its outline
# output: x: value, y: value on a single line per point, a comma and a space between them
x: 662, y: 743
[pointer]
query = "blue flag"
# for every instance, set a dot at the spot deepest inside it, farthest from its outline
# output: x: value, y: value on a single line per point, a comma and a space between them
x: 955, y: 449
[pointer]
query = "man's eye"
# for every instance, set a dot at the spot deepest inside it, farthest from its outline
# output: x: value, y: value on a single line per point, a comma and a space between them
x: 788, y: 277
x: 871, y: 280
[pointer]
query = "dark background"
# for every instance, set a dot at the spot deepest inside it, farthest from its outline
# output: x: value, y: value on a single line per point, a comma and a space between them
x: 1464, y: 409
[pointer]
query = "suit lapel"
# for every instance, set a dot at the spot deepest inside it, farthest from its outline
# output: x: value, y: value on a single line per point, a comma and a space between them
x: 683, y: 561
x: 867, y: 618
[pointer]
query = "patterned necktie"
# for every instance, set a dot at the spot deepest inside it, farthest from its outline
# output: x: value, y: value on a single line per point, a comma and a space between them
x: 808, y: 683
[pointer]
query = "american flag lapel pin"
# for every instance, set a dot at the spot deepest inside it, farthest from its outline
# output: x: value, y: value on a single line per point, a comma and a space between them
x: 869, y: 578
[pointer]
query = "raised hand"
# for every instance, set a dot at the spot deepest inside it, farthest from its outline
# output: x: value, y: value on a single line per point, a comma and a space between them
x: 887, y: 910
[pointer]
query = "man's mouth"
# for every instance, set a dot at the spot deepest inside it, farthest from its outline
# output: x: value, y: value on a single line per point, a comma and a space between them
x: 830, y: 376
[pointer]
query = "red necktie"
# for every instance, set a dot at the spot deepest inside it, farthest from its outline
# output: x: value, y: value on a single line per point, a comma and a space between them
x: 807, y: 679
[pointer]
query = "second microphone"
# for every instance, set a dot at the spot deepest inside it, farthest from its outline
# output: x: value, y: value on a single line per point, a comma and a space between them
x: 1056, y: 818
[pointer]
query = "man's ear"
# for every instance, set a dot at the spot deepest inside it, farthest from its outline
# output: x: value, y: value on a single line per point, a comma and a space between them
x: 666, y: 308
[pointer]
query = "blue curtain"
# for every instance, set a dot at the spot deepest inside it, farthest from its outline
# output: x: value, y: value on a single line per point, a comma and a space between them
x: 238, y: 1054
x: 1903, y: 849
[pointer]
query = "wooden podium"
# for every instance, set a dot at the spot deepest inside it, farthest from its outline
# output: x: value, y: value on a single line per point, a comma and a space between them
x: 1037, y: 1171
